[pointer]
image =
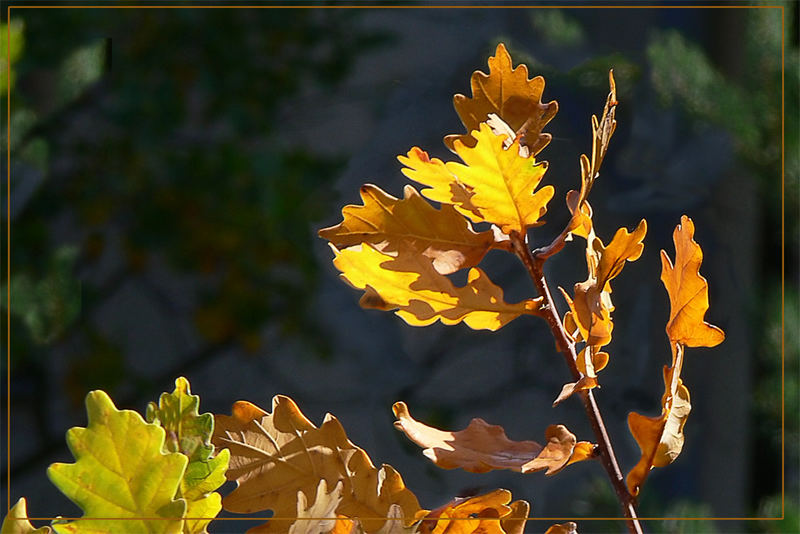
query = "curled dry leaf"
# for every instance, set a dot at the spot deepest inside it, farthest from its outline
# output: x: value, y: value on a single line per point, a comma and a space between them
x: 509, y: 94
x: 589, y: 315
x: 16, y: 521
x: 561, y: 450
x: 661, y: 438
x: 276, y: 455
x: 413, y: 226
x: 500, y: 185
x: 563, y: 528
x: 482, y: 447
x: 421, y: 295
x: 483, y: 514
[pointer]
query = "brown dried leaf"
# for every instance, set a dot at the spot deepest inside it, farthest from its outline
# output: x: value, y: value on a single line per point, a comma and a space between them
x: 479, y: 448
x: 559, y: 451
x: 563, y: 528
x: 276, y: 455
x: 483, y: 514
x: 410, y: 224
x: 688, y: 291
x: 482, y: 447
x: 410, y: 284
x: 509, y: 94
x: 660, y: 438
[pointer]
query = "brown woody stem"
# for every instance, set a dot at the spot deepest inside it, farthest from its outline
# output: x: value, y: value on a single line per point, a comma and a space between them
x: 534, y: 266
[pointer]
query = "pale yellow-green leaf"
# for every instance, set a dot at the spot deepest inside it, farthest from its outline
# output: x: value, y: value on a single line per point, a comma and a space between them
x: 16, y: 521
x: 122, y: 480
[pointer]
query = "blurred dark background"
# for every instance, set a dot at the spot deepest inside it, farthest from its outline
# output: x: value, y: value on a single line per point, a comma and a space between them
x: 170, y: 169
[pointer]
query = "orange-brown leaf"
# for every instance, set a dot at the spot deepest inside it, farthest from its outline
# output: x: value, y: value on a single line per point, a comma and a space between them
x: 660, y: 438
x: 421, y: 295
x: 688, y: 291
x: 563, y: 528
x: 410, y: 224
x: 482, y: 447
x: 482, y: 514
x: 500, y: 185
x: 276, y: 455
x: 479, y: 448
x: 509, y: 94
x: 559, y: 451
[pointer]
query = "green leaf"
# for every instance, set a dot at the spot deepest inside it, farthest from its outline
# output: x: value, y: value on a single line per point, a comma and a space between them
x: 121, y: 480
x: 189, y: 433
x: 16, y: 522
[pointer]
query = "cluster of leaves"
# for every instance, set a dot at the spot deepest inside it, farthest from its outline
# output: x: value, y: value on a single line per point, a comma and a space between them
x: 159, y: 474
x: 400, y: 251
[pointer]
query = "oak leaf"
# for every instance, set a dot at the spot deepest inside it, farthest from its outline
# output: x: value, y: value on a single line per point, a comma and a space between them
x: 563, y: 528
x: 275, y: 455
x: 412, y: 225
x: 483, y: 514
x: 319, y: 517
x: 509, y: 94
x: 482, y: 447
x: 189, y: 433
x: 421, y: 295
x: 688, y: 291
x: 16, y: 521
x: 120, y: 473
x: 499, y: 183
x: 661, y: 438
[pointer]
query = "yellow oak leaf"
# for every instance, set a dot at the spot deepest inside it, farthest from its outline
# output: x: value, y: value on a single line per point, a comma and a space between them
x: 410, y: 224
x: 16, y: 522
x: 688, y: 291
x: 410, y: 284
x: 483, y: 514
x: 276, y: 455
x: 482, y: 447
x: 660, y: 438
x: 509, y: 94
x: 499, y: 183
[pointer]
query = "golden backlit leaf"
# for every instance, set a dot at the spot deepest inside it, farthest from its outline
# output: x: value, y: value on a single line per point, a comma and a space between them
x: 563, y: 528
x: 421, y: 296
x: 482, y: 447
x: 559, y: 451
x: 410, y: 224
x: 688, y: 291
x: 509, y: 94
x: 660, y: 438
x: 585, y: 382
x: 482, y: 514
x: 276, y: 455
x: 499, y: 183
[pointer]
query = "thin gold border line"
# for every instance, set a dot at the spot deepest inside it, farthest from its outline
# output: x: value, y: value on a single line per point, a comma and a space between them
x: 8, y: 227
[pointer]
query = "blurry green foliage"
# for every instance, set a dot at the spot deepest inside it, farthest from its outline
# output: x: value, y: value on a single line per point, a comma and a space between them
x: 557, y: 28
x: 49, y: 304
x: 11, y: 44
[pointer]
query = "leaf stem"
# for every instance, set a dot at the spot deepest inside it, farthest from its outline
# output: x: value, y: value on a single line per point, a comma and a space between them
x: 534, y: 266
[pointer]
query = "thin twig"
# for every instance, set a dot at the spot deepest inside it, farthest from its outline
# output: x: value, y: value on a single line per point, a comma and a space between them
x: 534, y: 266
